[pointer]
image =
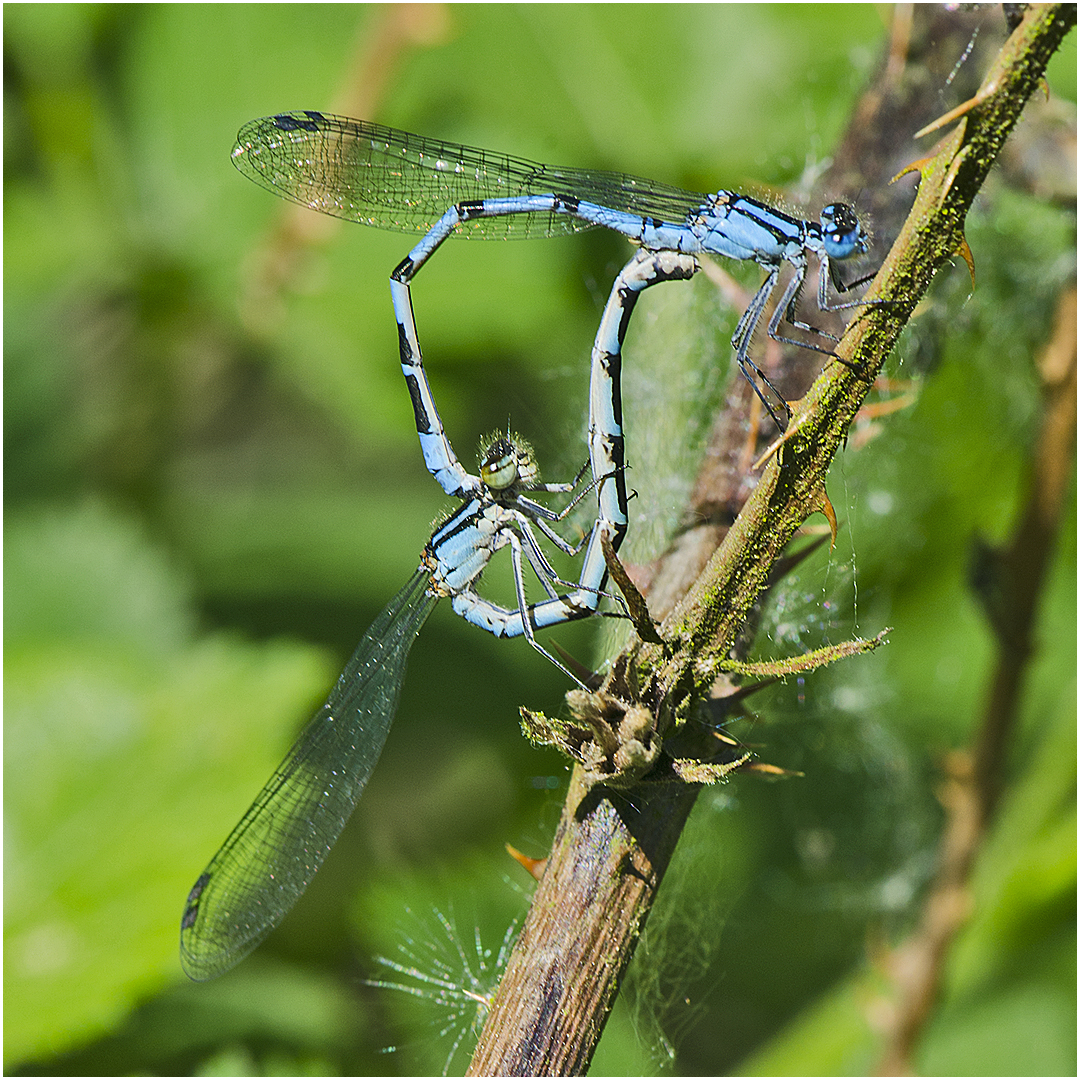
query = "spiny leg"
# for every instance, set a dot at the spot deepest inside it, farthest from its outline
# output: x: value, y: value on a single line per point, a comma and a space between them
x: 743, y: 336
x: 786, y: 309
x: 785, y: 312
x: 525, y: 618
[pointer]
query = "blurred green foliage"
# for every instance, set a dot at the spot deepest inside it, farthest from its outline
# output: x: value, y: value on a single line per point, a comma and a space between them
x: 212, y: 485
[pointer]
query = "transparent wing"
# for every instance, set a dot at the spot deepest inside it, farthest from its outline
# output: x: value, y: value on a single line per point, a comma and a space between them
x: 270, y: 857
x: 393, y: 180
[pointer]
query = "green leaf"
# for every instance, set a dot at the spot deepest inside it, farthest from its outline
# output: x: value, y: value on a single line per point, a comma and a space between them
x: 131, y: 747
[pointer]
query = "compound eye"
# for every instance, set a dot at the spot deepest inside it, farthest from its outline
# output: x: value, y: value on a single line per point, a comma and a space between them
x: 841, y: 232
x: 499, y: 469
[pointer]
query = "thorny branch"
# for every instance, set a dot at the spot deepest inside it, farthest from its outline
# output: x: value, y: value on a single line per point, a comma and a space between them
x: 610, y: 851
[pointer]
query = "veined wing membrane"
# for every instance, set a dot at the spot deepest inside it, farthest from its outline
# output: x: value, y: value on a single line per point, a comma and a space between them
x: 392, y: 179
x: 270, y: 857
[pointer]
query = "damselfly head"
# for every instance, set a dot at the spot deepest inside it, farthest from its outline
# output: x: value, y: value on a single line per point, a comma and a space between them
x: 506, y: 460
x: 841, y: 232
